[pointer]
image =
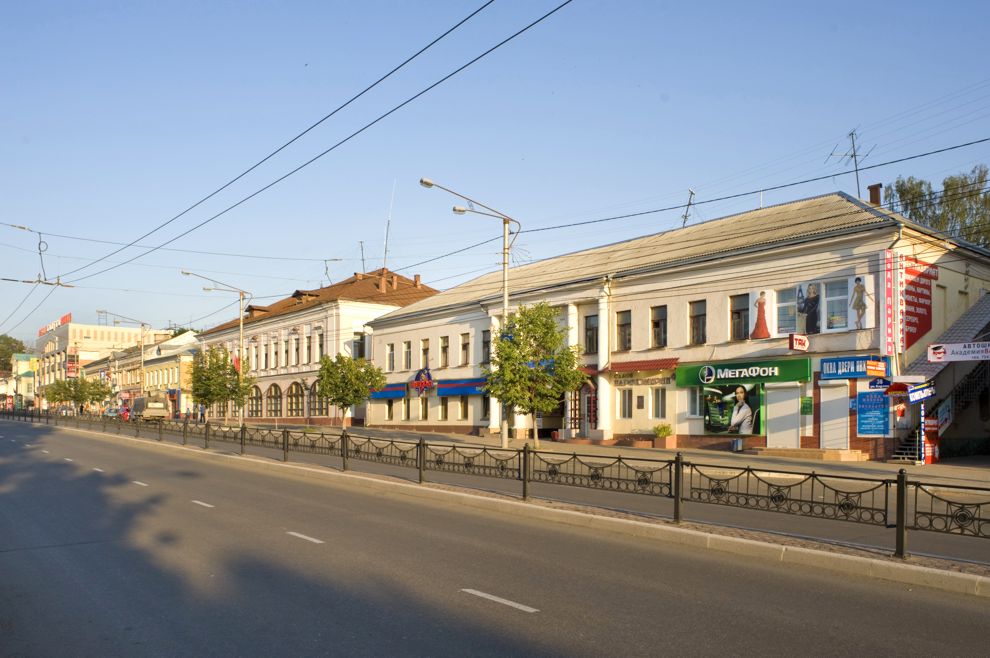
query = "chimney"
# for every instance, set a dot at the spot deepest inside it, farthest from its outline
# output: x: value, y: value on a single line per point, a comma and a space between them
x: 395, y: 281
x: 381, y: 284
x: 875, y: 193
x: 417, y: 282
x: 358, y: 276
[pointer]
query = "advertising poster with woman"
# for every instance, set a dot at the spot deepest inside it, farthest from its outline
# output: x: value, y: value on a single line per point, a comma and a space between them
x: 813, y: 307
x: 733, y: 409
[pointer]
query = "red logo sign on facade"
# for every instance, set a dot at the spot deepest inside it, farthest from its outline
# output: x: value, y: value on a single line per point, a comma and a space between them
x: 916, y: 304
x: 423, y: 382
x: 798, y: 342
x: 65, y: 319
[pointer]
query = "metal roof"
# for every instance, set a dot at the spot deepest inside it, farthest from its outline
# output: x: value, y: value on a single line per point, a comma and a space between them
x: 969, y: 326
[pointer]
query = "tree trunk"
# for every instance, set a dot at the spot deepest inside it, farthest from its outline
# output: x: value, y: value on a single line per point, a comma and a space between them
x: 536, y: 432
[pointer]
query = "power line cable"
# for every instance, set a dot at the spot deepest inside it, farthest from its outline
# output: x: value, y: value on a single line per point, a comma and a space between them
x: 291, y: 141
x: 16, y: 308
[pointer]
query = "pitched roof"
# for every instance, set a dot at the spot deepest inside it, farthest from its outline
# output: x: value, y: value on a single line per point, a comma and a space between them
x: 969, y: 326
x: 754, y: 230
x: 378, y: 287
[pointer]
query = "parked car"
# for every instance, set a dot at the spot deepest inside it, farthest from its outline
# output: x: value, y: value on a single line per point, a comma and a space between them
x: 112, y: 413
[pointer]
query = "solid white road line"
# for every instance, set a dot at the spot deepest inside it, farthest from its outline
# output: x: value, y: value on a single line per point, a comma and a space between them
x: 499, y: 599
x: 66, y: 459
x: 140, y: 484
x: 312, y: 539
x: 98, y: 470
x: 199, y: 502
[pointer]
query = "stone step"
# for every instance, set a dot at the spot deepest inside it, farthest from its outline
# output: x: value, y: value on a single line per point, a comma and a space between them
x: 819, y: 454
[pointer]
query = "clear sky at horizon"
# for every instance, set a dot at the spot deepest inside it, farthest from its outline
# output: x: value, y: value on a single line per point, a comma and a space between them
x: 117, y: 116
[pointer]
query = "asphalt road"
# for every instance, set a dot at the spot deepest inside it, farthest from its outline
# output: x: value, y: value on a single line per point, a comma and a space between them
x: 113, y: 548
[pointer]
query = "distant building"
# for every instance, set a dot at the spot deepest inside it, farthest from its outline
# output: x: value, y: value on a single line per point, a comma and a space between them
x: 285, y: 341
x: 22, y: 382
x: 693, y: 328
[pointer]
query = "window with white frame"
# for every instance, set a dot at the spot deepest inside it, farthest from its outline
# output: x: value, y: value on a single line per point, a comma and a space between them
x: 787, y: 310
x: 625, y: 403
x: 659, y: 408
x: 406, y: 409
x: 837, y: 304
x: 696, y: 404
x: 390, y: 357
x: 407, y: 355
x: 443, y: 408
x: 424, y: 408
x: 462, y: 413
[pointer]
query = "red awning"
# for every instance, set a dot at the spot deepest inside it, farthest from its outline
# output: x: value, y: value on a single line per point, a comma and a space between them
x: 589, y: 370
x: 639, y: 366
x: 897, y: 388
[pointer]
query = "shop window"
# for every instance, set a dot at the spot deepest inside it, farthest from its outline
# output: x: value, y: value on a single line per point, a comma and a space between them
x: 295, y: 398
x: 407, y: 355
x: 443, y: 408
x: 699, y: 319
x: 486, y: 346
x: 837, y: 304
x: 462, y: 411
x: 659, y: 403
x: 318, y: 405
x: 465, y: 349
x: 424, y: 353
x: 406, y: 409
x: 658, y: 322
x: 696, y: 403
x: 486, y: 407
x: 623, y: 331
x: 390, y: 357
x: 739, y: 316
x: 625, y: 403
x: 444, y: 351
x: 424, y: 408
x: 591, y: 334
x: 389, y: 410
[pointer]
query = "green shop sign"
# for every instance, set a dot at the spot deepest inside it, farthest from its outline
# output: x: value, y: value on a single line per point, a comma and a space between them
x: 784, y: 370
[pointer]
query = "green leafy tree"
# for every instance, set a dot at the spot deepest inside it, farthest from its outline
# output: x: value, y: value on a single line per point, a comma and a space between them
x: 215, y: 379
x: 8, y: 347
x: 58, y: 392
x: 346, y: 382
x: 532, y: 368
x: 961, y: 209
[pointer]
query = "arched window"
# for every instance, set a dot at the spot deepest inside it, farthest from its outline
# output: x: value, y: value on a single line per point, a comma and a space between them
x: 274, y: 398
x: 295, y: 399
x: 254, y: 403
x: 318, y: 405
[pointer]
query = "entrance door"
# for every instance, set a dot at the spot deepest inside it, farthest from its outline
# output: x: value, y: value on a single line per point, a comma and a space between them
x: 783, y: 416
x: 835, y: 416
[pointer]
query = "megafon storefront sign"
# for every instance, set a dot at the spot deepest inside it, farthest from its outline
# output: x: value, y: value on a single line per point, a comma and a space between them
x: 783, y: 370
x: 51, y: 326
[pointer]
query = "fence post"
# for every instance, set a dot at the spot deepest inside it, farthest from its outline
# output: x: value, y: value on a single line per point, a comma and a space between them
x: 421, y: 459
x: 185, y: 430
x: 901, y: 543
x: 285, y: 445
x: 243, y: 433
x: 344, y: 448
x: 159, y: 429
x: 206, y: 436
x: 137, y: 428
x: 525, y: 471
x: 678, y: 485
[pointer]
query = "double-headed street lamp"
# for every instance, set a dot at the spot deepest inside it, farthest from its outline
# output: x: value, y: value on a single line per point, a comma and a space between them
x: 506, y: 245
x: 226, y: 287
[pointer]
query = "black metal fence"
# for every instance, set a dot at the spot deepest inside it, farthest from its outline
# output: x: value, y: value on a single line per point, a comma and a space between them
x: 933, y: 507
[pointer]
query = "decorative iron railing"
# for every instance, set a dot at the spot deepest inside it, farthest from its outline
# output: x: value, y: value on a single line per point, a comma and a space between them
x: 956, y: 510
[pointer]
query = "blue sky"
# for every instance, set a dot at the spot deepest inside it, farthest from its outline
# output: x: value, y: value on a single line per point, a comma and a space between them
x: 117, y: 116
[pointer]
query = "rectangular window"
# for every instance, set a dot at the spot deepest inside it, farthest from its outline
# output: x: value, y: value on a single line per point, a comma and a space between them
x: 698, y: 318
x: 266, y: 359
x: 623, y: 331
x: 319, y: 347
x: 591, y: 334
x: 739, y: 317
x: 443, y: 408
x: 696, y: 404
x: 625, y: 403
x: 389, y: 410
x: 285, y: 353
x: 787, y: 311
x: 309, y: 349
x: 407, y: 355
x: 465, y: 349
x: 406, y: 409
x: 658, y: 323
x: 486, y: 407
x: 837, y: 304
x: 462, y: 412
x: 424, y: 408
x: 358, y: 346
x: 424, y: 353
x: 486, y: 346
x: 659, y: 403
x: 444, y: 351
x: 390, y: 357
x: 295, y: 351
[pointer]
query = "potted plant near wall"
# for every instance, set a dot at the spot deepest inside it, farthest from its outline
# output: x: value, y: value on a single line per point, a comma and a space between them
x: 663, y: 434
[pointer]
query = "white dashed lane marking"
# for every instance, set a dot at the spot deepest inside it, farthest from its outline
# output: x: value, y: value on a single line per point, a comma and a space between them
x: 310, y: 539
x: 66, y: 459
x: 499, y: 599
x: 201, y: 503
x: 98, y: 470
x: 46, y: 452
x: 139, y: 483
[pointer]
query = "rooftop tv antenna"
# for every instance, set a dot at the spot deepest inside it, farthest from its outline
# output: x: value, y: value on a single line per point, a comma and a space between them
x: 687, y: 208
x: 853, y: 156
x: 388, y: 223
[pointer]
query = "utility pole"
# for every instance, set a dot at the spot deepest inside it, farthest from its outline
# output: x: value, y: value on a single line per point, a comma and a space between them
x: 364, y: 268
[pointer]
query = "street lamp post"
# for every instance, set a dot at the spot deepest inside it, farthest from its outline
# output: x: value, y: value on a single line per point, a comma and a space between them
x: 140, y: 343
x: 226, y: 287
x: 506, y: 244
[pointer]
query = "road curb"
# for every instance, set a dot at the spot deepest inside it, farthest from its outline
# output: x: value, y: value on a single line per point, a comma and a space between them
x: 908, y: 574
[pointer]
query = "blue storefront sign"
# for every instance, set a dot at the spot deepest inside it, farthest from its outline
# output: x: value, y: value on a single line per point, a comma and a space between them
x: 880, y: 384
x: 921, y: 392
x: 851, y: 367
x: 872, y: 413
